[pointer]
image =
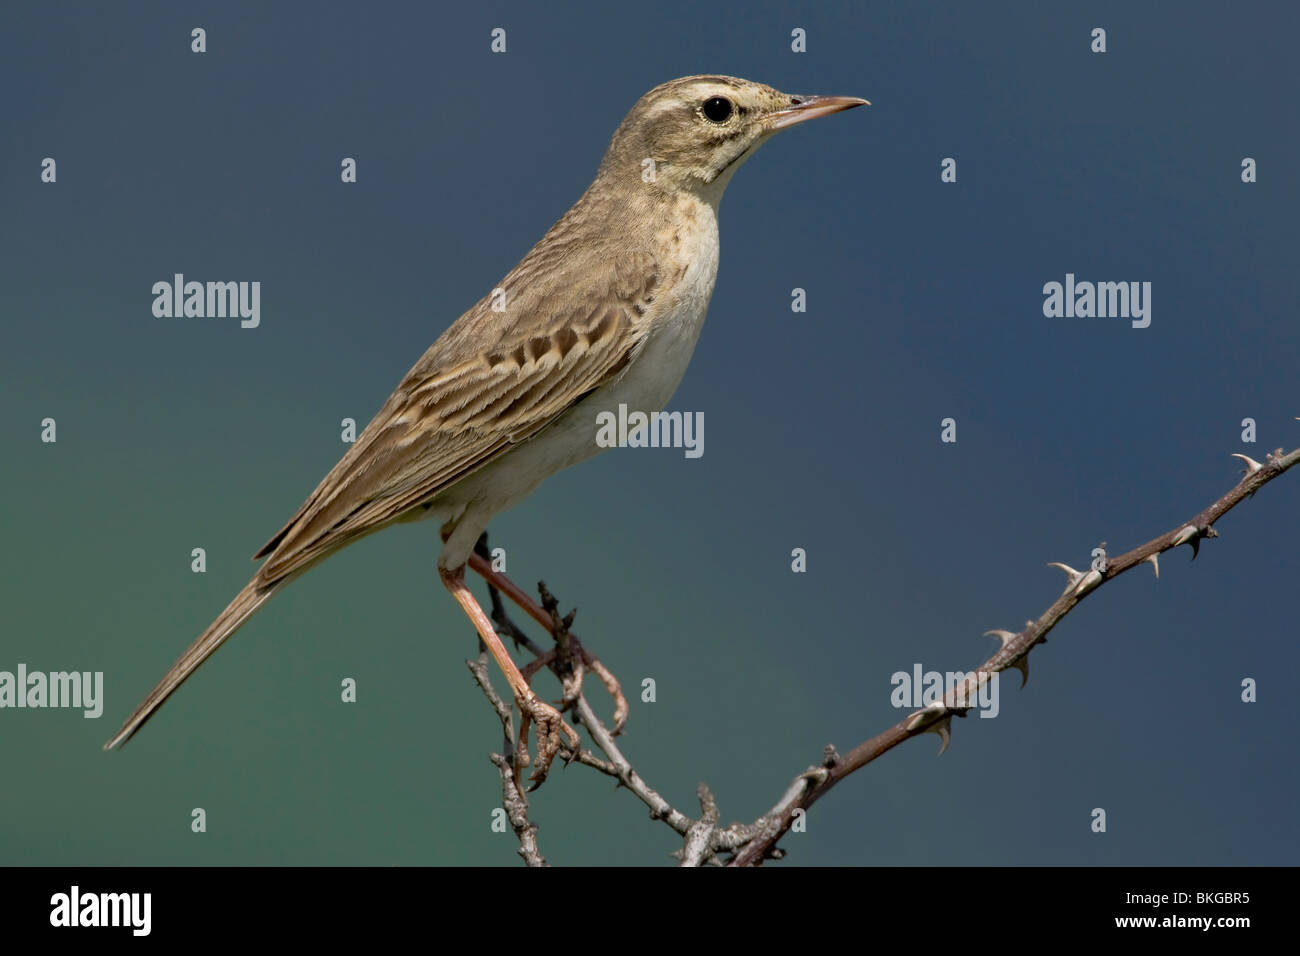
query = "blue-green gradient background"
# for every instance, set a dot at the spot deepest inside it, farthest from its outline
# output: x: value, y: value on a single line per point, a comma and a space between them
x: 822, y: 429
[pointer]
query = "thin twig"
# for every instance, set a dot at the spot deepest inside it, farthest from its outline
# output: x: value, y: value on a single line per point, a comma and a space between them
x: 516, y: 807
x: 624, y: 773
x: 617, y: 765
x: 512, y: 800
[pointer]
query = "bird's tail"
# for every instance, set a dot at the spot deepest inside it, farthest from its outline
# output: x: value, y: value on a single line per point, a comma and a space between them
x: 246, y: 603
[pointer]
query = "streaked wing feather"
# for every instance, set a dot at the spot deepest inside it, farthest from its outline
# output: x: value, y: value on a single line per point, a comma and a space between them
x: 449, y: 418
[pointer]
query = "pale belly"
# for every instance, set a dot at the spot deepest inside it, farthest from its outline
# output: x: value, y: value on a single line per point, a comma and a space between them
x: 647, y: 385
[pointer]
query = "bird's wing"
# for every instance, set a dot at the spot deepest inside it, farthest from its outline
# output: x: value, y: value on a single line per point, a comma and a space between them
x: 491, y: 381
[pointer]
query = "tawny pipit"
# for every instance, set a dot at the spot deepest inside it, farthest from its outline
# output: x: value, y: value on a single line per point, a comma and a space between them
x: 604, y: 310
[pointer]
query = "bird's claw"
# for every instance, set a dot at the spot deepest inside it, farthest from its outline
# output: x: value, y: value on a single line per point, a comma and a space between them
x: 553, y: 736
x: 580, y: 662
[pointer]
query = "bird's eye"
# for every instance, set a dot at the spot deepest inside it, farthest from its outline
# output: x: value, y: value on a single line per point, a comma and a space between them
x: 717, y: 109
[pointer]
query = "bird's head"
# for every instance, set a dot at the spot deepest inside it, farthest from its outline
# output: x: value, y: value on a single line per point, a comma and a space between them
x: 693, y: 133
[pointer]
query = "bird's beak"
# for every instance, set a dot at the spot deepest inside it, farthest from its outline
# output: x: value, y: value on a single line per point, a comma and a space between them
x: 811, y: 107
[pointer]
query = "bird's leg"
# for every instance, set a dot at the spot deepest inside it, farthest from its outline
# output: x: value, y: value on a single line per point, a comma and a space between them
x: 550, y: 725
x: 511, y: 590
x: 542, y: 616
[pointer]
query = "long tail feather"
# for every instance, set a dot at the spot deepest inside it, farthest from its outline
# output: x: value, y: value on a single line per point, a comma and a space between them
x: 245, y: 604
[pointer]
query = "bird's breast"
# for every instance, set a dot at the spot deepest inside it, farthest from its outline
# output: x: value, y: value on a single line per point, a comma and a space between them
x: 688, y: 247
x: 687, y: 257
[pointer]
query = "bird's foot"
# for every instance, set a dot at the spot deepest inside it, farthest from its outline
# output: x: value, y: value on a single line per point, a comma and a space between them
x: 613, y: 688
x: 553, y: 736
x: 572, y: 662
x: 581, y: 661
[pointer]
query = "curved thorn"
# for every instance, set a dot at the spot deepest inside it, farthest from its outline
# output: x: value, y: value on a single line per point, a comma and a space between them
x: 1154, y: 559
x: 927, y: 715
x: 943, y: 729
x: 1252, y: 465
x: 1090, y: 581
x: 1022, y: 665
x: 1074, y: 575
x: 1187, y: 534
x: 1002, y: 635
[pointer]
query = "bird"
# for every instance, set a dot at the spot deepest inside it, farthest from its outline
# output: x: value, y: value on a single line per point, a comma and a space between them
x: 604, y: 310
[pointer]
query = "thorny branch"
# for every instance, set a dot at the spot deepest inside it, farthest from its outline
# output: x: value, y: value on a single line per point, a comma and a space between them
x: 750, y: 845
